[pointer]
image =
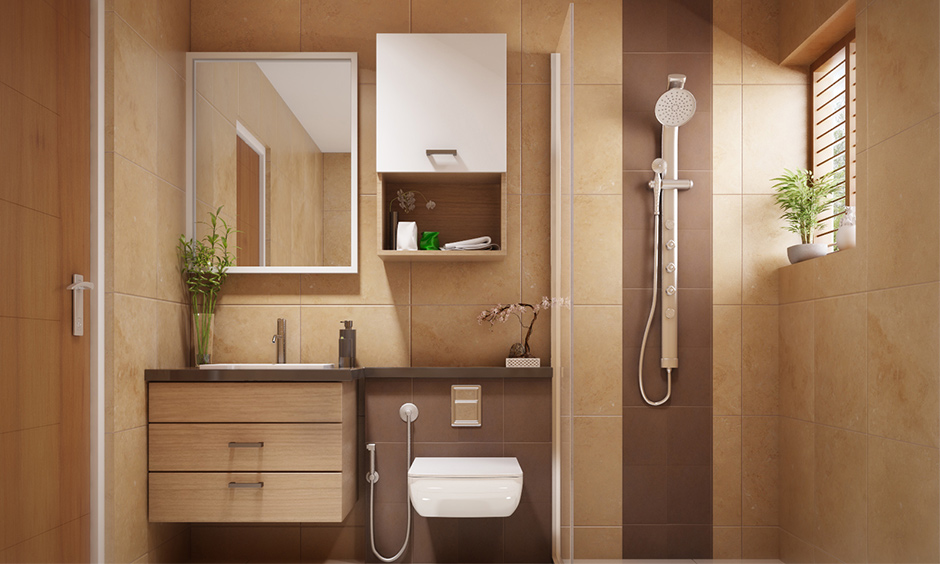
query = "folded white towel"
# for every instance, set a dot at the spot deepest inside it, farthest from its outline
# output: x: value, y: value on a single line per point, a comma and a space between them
x: 469, y: 244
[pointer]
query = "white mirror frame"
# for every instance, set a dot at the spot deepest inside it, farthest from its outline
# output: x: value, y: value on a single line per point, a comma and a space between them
x: 353, y: 58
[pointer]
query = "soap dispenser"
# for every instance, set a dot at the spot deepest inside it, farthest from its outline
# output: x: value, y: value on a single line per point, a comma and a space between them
x: 347, y: 345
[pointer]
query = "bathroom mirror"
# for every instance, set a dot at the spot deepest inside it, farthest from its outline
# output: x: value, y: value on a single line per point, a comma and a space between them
x: 272, y: 140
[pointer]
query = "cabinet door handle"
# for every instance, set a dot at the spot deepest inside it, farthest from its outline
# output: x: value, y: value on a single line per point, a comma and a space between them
x: 253, y: 485
x: 245, y: 445
x: 452, y: 152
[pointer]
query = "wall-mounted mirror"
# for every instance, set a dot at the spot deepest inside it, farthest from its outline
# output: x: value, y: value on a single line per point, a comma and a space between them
x: 272, y: 140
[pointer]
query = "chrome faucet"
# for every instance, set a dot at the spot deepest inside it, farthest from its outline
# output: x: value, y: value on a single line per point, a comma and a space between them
x: 281, y: 340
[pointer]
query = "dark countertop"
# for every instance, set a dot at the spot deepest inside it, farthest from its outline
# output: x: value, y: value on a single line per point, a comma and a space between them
x: 340, y: 374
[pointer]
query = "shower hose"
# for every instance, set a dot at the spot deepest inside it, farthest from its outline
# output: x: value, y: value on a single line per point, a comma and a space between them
x: 372, y: 478
x: 657, y: 194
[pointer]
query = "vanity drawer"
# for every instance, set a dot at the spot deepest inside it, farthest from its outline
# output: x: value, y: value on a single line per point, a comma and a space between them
x: 212, y: 497
x: 212, y: 447
x: 245, y: 402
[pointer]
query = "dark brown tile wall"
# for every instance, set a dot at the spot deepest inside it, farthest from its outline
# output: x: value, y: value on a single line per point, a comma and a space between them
x: 516, y: 422
x: 667, y: 466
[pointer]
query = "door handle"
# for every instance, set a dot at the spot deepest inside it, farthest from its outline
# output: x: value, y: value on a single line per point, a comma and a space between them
x: 78, y: 286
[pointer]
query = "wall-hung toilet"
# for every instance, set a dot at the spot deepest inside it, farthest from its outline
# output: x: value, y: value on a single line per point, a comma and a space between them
x: 465, y: 487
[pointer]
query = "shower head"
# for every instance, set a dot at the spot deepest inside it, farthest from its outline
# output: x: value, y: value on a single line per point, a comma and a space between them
x: 677, y: 105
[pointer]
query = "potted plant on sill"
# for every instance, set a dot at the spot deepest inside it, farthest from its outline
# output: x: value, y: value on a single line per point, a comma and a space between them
x: 803, y: 198
x: 204, y: 266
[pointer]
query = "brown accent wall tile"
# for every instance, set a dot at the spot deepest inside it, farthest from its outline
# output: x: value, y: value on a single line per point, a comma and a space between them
x: 689, y: 497
x: 219, y: 25
x: 644, y: 440
x: 644, y: 495
x: 688, y: 436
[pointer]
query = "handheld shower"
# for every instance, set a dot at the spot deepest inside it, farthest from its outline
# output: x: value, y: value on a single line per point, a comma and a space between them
x: 673, y: 109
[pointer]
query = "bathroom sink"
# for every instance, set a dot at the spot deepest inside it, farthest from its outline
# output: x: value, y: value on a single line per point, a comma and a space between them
x: 268, y: 366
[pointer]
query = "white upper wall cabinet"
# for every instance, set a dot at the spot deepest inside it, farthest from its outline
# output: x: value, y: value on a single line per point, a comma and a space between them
x: 441, y: 102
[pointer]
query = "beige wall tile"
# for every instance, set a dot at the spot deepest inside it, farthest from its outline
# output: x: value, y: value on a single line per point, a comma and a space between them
x: 727, y: 141
x: 269, y: 289
x: 726, y: 42
x: 797, y: 373
x: 764, y: 249
x: 902, y: 44
x: 761, y: 46
x: 334, y: 25
x: 797, y: 493
x: 843, y: 272
x: 598, y: 270
x: 382, y: 334
x: 128, y: 521
x: 219, y: 25
x: 171, y: 130
x: 536, y: 139
x: 903, y: 502
x: 598, y: 542
x: 861, y: 78
x: 171, y: 224
x: 598, y: 139
x: 597, y: 462
x: 598, y: 340
x: 897, y: 169
x: 842, y: 362
x: 760, y: 360
x: 483, y: 16
x: 243, y: 333
x: 726, y: 360
x: 515, y: 147
x: 775, y: 135
x: 598, y: 44
x: 173, y: 339
x: 793, y: 549
x: 760, y: 484
x: 134, y: 102
x: 542, y: 23
x: 368, y: 180
x: 840, y: 493
x: 473, y: 282
x: 134, y: 226
x: 536, y: 248
x: 163, y: 25
x: 336, y: 179
x: 797, y: 23
x: 727, y: 266
x: 726, y: 543
x: 796, y: 281
x: 133, y: 351
x: 902, y: 364
x: 449, y: 335
x: 760, y: 543
x: 726, y: 475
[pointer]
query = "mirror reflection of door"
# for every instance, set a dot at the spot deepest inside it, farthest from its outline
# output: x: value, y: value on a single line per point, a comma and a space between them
x: 248, y: 188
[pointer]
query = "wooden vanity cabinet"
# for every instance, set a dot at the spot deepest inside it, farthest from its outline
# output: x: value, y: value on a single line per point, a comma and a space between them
x: 252, y: 451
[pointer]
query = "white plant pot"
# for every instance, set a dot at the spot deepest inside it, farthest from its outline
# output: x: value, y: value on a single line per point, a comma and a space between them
x: 799, y: 253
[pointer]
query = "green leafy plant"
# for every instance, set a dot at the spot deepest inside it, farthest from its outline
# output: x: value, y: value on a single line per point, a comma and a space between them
x: 204, y: 267
x: 803, y: 198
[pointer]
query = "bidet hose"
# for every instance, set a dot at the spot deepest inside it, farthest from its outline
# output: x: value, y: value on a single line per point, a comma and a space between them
x: 372, y: 480
x: 657, y: 194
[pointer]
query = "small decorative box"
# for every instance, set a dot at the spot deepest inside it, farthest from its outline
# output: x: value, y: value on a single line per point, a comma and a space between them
x: 523, y: 362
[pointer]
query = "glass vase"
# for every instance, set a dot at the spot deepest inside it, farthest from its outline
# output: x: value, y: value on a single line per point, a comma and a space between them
x: 202, y: 337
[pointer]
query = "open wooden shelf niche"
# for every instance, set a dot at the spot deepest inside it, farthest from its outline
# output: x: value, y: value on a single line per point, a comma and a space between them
x: 469, y: 205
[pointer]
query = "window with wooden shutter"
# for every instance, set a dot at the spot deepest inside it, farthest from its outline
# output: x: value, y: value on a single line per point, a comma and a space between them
x: 834, y: 128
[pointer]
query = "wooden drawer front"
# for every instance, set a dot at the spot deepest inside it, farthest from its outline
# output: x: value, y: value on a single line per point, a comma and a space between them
x: 207, y: 447
x: 202, y: 498
x: 245, y: 402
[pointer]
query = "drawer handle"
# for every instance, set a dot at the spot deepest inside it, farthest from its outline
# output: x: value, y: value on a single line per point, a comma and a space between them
x: 254, y: 486
x: 245, y: 445
x: 452, y: 152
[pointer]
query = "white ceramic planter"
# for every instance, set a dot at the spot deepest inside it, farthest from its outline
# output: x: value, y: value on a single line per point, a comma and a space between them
x: 799, y: 253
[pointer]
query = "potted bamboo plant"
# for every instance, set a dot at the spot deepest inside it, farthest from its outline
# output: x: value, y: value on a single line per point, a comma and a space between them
x: 803, y: 198
x: 203, y: 265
